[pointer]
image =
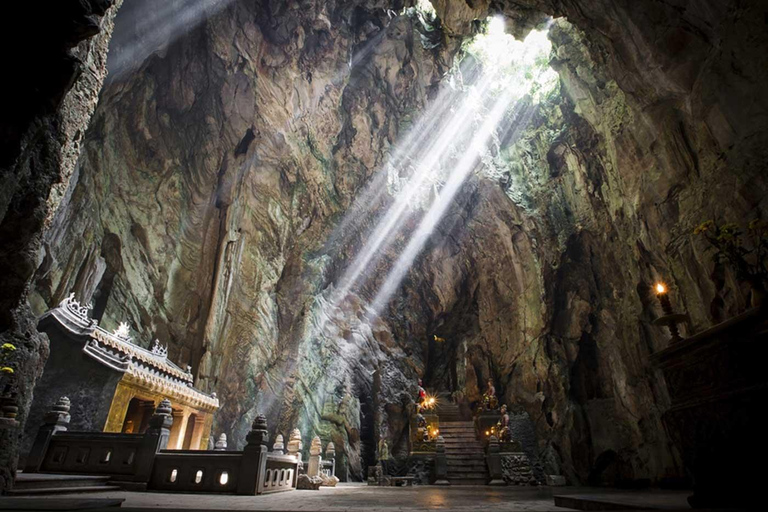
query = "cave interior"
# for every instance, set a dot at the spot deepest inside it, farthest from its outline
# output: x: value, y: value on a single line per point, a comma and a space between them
x: 315, y: 205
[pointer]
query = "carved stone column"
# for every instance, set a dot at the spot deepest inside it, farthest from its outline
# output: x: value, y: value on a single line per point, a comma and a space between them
x: 56, y: 420
x: 254, y: 460
x: 441, y: 463
x: 494, y: 462
x: 155, y: 439
x: 315, y: 457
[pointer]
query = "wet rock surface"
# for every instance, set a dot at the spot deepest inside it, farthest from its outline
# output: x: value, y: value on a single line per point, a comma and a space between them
x: 213, y: 178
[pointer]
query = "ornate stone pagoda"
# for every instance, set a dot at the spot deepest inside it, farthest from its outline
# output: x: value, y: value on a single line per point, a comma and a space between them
x: 116, y: 382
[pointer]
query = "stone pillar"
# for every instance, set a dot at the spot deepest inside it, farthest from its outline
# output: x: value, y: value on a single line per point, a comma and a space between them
x: 154, y: 440
x: 197, y: 434
x: 56, y: 420
x: 295, y: 445
x: 221, y: 444
x: 441, y: 463
x: 278, y: 447
x: 493, y: 460
x: 315, y: 457
x: 177, y: 430
x: 254, y: 461
x: 330, y: 454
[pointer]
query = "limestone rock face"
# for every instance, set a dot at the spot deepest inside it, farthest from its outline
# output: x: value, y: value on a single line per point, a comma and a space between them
x: 50, y: 89
x: 215, y: 177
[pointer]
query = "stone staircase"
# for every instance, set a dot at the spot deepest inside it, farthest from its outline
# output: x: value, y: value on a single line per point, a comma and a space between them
x: 463, y: 452
x: 36, y: 484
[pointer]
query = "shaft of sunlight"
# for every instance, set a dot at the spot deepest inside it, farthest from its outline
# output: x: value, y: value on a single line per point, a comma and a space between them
x: 147, y: 27
x: 458, y: 125
x: 457, y: 177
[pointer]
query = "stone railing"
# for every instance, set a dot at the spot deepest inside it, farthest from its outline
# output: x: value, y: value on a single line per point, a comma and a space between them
x: 125, y: 457
x: 142, y: 462
x: 251, y: 471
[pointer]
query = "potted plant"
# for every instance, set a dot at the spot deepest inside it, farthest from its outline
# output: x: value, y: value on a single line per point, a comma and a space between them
x: 744, y: 250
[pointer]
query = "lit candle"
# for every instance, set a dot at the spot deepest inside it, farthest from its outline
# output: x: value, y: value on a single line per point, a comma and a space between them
x: 666, y: 306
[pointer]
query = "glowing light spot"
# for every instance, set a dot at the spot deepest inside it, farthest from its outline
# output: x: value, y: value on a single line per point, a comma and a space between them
x: 661, y: 288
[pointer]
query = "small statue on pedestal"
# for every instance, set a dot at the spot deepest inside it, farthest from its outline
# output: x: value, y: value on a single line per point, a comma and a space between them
x: 422, y: 393
x: 502, y: 426
x: 490, y: 402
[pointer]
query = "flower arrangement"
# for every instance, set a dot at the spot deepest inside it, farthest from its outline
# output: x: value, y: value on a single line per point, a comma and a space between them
x: 745, y: 250
x: 8, y: 407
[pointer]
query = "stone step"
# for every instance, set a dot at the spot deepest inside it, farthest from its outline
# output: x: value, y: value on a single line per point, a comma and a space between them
x: 62, y: 490
x: 468, y: 481
x: 460, y: 475
x: 470, y: 467
x: 26, y: 481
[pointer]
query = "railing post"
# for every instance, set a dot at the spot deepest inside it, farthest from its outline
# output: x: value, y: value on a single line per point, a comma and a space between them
x: 221, y: 444
x: 254, y: 461
x: 494, y: 462
x: 155, y: 439
x: 441, y: 463
x: 56, y: 420
x: 330, y: 454
x: 278, y: 447
x: 315, y: 457
x: 294, y: 447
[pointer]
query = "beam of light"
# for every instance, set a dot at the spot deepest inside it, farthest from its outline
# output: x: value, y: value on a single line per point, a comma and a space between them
x: 457, y: 126
x: 145, y: 27
x: 457, y: 177
x: 418, y: 136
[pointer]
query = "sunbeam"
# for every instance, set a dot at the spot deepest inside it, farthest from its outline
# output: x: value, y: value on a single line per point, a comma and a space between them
x: 142, y: 32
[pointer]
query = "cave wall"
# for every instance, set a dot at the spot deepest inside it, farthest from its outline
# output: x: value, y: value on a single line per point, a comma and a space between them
x: 51, y: 88
x: 214, y: 178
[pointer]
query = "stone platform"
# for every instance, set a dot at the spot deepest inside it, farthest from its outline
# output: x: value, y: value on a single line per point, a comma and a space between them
x: 357, y: 497
x: 343, y: 498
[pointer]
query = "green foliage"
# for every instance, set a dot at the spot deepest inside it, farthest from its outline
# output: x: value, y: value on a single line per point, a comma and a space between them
x: 745, y: 250
x: 520, y: 65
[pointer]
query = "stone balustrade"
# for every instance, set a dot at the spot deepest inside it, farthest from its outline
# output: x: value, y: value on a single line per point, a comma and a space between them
x: 143, y: 461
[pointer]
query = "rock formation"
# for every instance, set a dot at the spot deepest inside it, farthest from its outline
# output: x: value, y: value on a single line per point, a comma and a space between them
x: 215, y: 177
x: 50, y: 90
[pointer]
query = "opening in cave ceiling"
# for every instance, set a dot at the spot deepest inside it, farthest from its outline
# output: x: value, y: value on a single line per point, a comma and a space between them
x: 488, y: 97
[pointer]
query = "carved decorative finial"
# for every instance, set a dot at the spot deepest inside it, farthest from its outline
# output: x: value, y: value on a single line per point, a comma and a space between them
x: 79, y: 311
x: 162, y: 417
x: 221, y: 444
x: 123, y: 331
x: 59, y: 413
x: 294, y: 443
x: 159, y: 349
x: 62, y: 405
x: 330, y: 450
x: 278, y: 447
x: 316, y: 448
x: 258, y: 433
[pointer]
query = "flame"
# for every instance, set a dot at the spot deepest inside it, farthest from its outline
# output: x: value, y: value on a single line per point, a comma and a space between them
x: 661, y: 288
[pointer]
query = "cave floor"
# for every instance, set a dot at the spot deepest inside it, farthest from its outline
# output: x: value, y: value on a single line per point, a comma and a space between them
x: 360, y: 497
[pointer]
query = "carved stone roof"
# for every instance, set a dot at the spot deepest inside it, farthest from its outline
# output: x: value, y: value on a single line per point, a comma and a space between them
x: 149, y: 368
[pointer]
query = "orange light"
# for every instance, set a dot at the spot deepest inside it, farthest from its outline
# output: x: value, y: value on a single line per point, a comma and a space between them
x: 661, y: 288
x: 487, y: 433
